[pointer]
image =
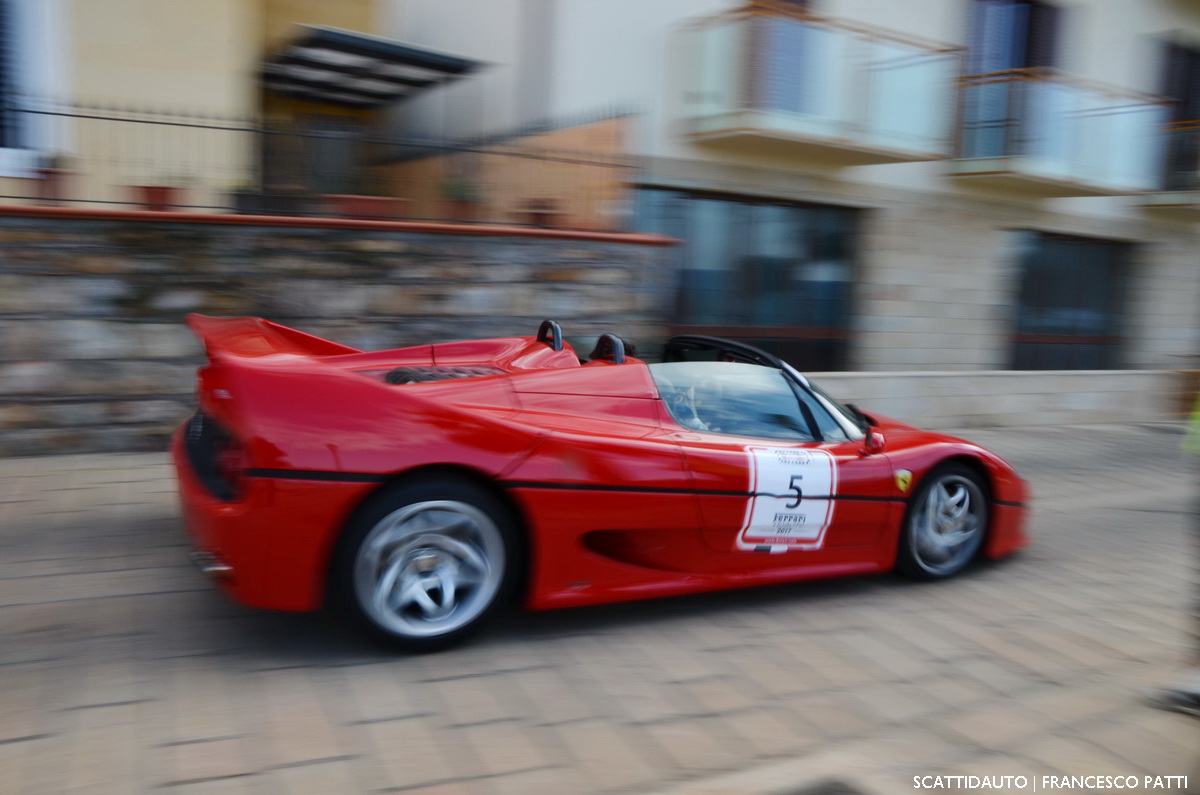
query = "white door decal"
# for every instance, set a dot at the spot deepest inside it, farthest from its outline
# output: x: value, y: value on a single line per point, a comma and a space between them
x: 791, y: 506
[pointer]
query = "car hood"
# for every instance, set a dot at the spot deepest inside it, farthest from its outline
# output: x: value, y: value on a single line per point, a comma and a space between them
x: 903, y: 436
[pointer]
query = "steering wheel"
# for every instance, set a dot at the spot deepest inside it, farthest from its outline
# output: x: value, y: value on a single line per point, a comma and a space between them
x: 700, y: 406
x: 551, y: 334
x: 683, y: 408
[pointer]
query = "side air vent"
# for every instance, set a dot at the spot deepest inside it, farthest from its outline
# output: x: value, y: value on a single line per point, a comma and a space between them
x: 419, y: 375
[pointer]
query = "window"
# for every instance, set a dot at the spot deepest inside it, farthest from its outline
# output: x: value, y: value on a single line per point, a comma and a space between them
x: 1070, y: 313
x: 1181, y: 82
x: 734, y: 398
x: 33, y: 71
x: 774, y: 274
x: 1006, y: 35
x: 794, y: 68
x: 9, y: 123
x: 1013, y: 34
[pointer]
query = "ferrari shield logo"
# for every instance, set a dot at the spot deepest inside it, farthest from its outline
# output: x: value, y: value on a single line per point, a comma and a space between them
x: 903, y: 479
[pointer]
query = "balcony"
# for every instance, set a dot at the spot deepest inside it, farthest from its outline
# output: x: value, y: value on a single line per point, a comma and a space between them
x: 1039, y: 133
x: 1180, y: 194
x: 570, y: 174
x: 766, y: 81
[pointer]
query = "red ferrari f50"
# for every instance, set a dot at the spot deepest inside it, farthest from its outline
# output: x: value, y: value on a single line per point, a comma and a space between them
x: 421, y: 487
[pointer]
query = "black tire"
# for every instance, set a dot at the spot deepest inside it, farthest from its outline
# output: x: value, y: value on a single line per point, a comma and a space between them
x: 945, y: 524
x: 428, y: 563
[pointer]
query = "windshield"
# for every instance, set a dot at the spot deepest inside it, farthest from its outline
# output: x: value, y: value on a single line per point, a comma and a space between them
x: 744, y: 400
x: 852, y: 416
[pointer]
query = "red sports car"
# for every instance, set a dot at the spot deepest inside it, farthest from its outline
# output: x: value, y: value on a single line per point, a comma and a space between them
x: 419, y: 488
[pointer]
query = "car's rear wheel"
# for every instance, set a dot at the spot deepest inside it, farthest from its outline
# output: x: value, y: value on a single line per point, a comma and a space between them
x: 428, y: 563
x: 945, y: 524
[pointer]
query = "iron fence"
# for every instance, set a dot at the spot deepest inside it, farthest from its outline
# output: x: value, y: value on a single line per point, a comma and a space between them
x: 574, y: 174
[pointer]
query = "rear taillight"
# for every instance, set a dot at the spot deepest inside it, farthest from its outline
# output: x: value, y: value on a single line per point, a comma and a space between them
x: 217, y: 457
x: 231, y: 463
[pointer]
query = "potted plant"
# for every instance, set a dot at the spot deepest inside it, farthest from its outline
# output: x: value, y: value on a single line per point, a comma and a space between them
x: 52, y: 172
x: 167, y: 194
x: 462, y: 196
x: 543, y: 212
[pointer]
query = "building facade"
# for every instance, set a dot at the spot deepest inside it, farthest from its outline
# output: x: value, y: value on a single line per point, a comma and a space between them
x: 228, y: 105
x: 862, y: 184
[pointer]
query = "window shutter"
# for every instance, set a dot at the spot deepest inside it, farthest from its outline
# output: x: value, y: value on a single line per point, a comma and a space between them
x: 1191, y: 96
x: 8, y: 119
x: 1173, y: 78
x: 1180, y: 80
x: 756, y: 54
x: 992, y: 36
x: 1044, y: 23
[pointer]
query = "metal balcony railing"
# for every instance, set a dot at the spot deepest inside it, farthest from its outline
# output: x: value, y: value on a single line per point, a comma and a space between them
x: 573, y: 173
x: 764, y: 72
x: 1038, y: 124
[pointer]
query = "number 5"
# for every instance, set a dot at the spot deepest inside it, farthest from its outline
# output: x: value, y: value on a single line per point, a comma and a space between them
x: 796, y: 488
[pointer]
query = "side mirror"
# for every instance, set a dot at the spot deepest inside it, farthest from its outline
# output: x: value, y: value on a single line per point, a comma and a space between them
x: 874, y: 442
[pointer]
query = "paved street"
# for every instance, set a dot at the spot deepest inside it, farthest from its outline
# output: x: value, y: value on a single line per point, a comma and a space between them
x: 122, y: 670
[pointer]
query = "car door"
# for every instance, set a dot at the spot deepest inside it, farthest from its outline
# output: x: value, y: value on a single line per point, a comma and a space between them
x: 812, y: 499
x: 779, y: 480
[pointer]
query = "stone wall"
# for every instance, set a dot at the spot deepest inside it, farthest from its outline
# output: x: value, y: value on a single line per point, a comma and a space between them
x: 1013, y: 398
x: 94, y: 355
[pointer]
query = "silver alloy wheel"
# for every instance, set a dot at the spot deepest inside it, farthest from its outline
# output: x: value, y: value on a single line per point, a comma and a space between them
x: 947, y: 524
x: 429, y: 568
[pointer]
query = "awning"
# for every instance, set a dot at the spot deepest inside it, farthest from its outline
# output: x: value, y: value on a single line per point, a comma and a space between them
x: 342, y: 67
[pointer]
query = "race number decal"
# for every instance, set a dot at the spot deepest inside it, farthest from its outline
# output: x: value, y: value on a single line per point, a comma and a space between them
x: 791, y: 506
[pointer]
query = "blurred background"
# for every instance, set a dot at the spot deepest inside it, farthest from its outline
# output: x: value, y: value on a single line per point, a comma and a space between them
x: 971, y: 214
x: 1002, y: 191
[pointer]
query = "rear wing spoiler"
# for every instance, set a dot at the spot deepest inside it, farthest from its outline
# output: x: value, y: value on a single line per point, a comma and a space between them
x: 253, y: 336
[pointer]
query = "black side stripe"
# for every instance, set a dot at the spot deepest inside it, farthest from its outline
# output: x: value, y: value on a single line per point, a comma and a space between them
x: 367, y: 477
x: 317, y: 474
x: 533, y: 484
x: 524, y: 484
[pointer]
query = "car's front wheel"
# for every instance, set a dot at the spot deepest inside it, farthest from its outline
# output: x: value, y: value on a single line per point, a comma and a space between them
x: 945, y: 525
x: 428, y: 563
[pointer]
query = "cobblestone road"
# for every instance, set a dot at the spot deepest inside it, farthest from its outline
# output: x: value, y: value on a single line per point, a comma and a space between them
x: 122, y: 670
